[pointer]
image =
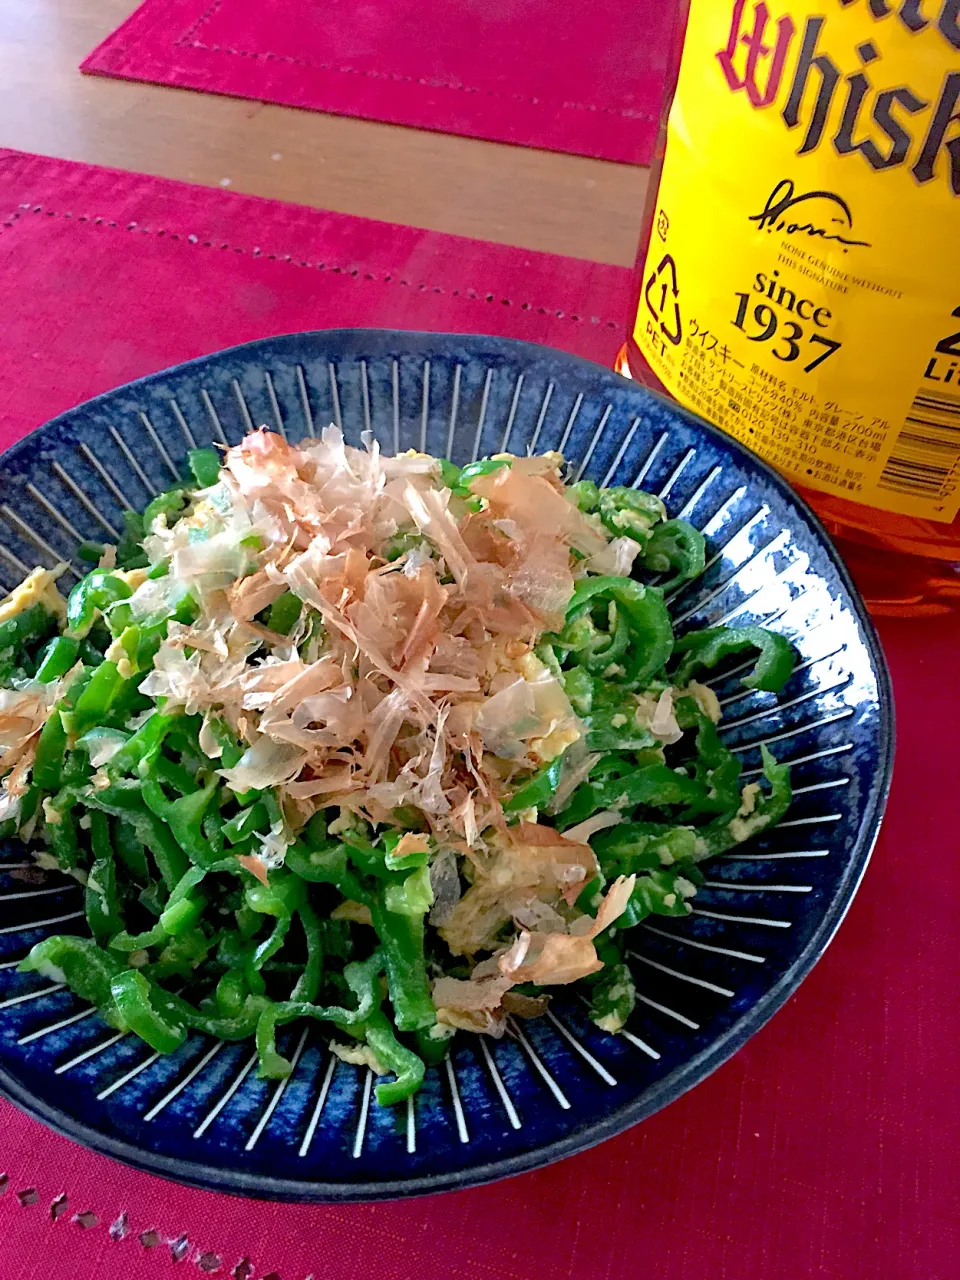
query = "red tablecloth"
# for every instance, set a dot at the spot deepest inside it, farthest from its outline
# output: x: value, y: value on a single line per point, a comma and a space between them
x: 826, y: 1149
x: 585, y: 78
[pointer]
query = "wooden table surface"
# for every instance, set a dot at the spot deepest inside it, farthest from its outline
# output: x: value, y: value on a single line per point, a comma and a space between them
x: 536, y: 199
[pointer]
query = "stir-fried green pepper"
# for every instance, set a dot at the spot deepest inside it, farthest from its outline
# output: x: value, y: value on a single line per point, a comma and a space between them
x: 396, y: 1057
x: 704, y: 649
x: 58, y: 657
x: 639, y: 640
x: 86, y: 968
x: 675, y: 547
x: 265, y: 917
x: 630, y: 511
x: 92, y: 596
x: 158, y: 1027
x: 402, y: 940
x: 284, y: 613
x: 613, y: 996
x: 51, y: 746
x: 205, y: 466
x: 538, y: 790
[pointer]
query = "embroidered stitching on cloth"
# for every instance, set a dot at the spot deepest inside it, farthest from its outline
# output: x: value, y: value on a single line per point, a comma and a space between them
x: 188, y: 40
x: 386, y: 277
x: 181, y: 1250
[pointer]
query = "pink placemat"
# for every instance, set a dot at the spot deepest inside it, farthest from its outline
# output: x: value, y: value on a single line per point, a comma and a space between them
x: 584, y: 78
x: 825, y: 1150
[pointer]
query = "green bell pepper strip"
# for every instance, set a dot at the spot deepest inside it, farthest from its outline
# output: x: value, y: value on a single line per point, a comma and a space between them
x: 87, y: 970
x: 280, y: 898
x: 308, y: 980
x: 24, y: 629
x: 231, y: 992
x: 579, y: 686
x: 402, y: 941
x: 28, y: 807
x: 403, y: 1062
x: 362, y: 979
x: 718, y: 835
x: 62, y: 834
x: 231, y: 750
x: 127, y: 942
x: 449, y: 472
x: 90, y: 597
x: 205, y: 466
x: 656, y: 893
x: 101, y: 897
x: 181, y: 956
x: 610, y: 717
x: 141, y: 641
x: 400, y: 544
x: 538, y: 790
x: 213, y: 833
x: 182, y: 915
x: 675, y: 545
x: 656, y: 785
x: 125, y: 800
x: 51, y: 746
x: 154, y: 897
x: 639, y: 846
x: 183, y: 816
x: 94, y: 702
x: 177, y: 1011
x: 163, y: 769
x: 130, y: 850
x: 144, y: 743
x: 90, y: 551
x: 630, y: 511
x: 156, y: 1026
x: 58, y: 657
x: 238, y: 1027
x: 248, y: 922
x: 413, y: 896
x: 714, y: 766
x: 406, y: 861
x: 284, y: 613
x: 646, y: 616
x: 169, y: 503
x: 265, y: 950
x: 613, y: 996
x: 769, y: 806
x: 246, y: 823
x: 326, y: 866
x: 94, y: 738
x: 585, y: 494
x: 704, y: 649
x: 130, y: 553
x: 597, y: 648
x: 475, y: 469
x: 369, y: 858
x: 431, y: 1047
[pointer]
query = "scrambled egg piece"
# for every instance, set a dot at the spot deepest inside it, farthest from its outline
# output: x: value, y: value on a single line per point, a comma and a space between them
x: 38, y: 587
x: 132, y: 577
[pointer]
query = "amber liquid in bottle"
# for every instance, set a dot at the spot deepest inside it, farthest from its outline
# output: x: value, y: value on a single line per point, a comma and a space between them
x: 903, y: 565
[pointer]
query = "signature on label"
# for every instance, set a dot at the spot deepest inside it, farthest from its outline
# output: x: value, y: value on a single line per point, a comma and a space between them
x: 828, y: 217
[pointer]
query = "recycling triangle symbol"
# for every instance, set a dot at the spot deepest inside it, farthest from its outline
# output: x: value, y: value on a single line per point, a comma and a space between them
x: 662, y: 297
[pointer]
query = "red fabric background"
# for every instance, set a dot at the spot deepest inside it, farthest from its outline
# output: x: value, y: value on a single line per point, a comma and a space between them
x: 826, y: 1149
x: 585, y: 78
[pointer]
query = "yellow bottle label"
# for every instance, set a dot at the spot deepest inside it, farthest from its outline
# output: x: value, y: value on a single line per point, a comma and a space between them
x: 801, y: 289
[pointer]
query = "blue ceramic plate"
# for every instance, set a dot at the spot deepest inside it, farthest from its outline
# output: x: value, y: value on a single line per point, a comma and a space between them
x: 706, y: 983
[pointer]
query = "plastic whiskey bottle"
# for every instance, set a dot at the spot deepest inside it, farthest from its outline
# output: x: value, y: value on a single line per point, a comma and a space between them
x: 798, y: 281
